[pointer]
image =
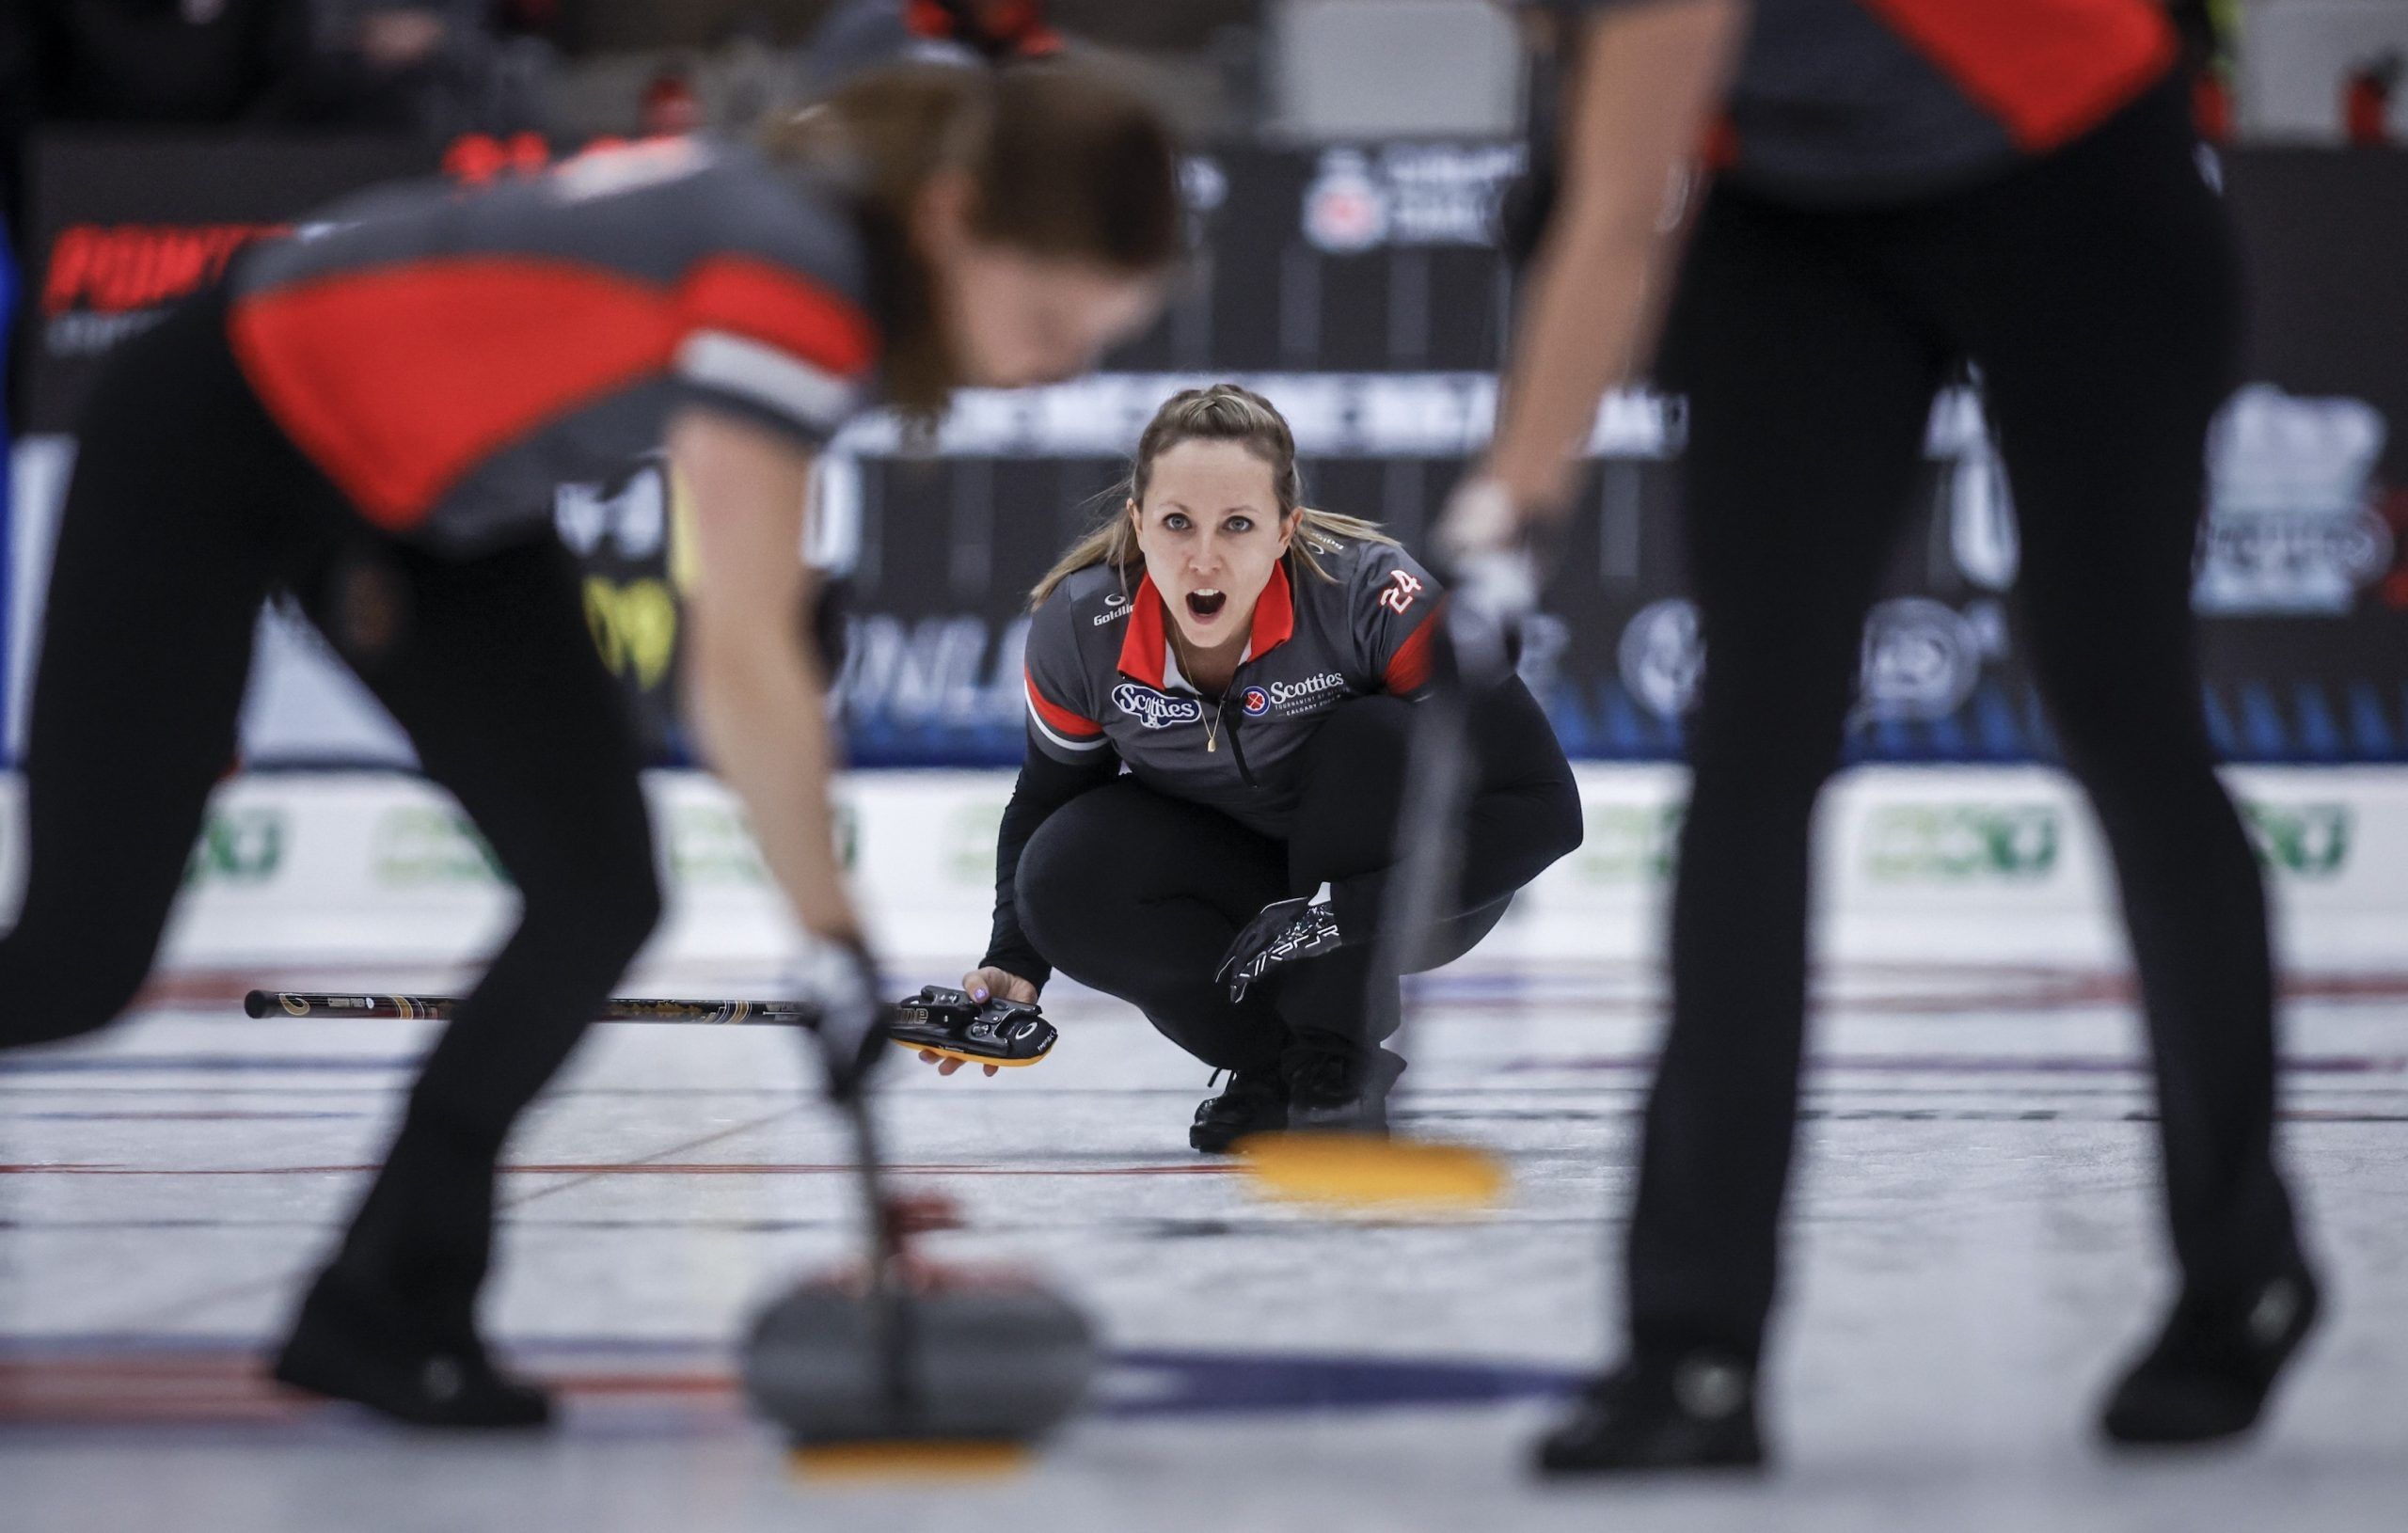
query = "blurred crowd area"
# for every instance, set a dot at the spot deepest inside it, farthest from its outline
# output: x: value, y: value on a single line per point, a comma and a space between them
x: 493, y: 73
x: 526, y: 77
x: 580, y: 69
x: 571, y: 68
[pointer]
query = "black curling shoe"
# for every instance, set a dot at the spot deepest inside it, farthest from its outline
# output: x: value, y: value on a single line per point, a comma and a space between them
x: 1341, y: 1090
x: 343, y: 1349
x: 1253, y: 1102
x: 1698, y: 1411
x: 2213, y: 1365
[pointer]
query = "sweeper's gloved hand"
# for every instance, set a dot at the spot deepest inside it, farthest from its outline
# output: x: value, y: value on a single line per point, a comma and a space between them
x: 1286, y: 932
x: 852, y: 1017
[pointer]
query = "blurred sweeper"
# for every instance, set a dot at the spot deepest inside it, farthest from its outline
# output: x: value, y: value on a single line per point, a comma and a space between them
x: 1250, y: 661
x: 373, y: 415
x: 1898, y: 188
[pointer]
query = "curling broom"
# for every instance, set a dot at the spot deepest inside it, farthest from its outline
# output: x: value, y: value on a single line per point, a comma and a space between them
x: 1492, y: 594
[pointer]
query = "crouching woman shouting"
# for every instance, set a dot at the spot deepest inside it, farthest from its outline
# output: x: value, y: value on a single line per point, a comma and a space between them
x: 1249, y: 662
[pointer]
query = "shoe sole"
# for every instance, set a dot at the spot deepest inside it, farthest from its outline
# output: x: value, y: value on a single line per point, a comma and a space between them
x: 1551, y: 1467
x: 300, y: 1378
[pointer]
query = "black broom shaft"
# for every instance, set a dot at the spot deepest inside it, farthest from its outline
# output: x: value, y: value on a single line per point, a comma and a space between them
x: 442, y: 1007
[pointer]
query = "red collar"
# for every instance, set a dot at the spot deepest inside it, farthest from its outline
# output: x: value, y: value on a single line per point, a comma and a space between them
x: 1146, y: 644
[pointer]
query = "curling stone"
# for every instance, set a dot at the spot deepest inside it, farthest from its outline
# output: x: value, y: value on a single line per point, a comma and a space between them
x: 999, y: 1361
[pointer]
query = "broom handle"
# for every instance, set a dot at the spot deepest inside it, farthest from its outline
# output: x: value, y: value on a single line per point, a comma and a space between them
x: 1497, y: 592
x: 443, y: 1007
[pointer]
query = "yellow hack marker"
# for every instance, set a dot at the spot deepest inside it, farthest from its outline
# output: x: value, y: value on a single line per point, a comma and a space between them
x: 906, y: 1460
x: 1372, y: 1171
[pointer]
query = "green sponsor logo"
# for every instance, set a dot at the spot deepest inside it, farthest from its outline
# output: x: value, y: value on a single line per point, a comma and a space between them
x: 416, y: 847
x: 711, y: 843
x: 844, y: 824
x: 239, y: 846
x: 1966, y: 842
x: 969, y: 842
x: 2303, y: 841
x: 1630, y: 843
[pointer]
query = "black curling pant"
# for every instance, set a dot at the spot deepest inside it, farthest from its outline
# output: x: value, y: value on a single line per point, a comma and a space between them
x: 187, y: 507
x: 2097, y: 291
x: 1138, y: 894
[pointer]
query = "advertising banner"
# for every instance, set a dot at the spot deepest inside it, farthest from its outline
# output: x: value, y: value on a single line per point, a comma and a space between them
x: 125, y: 225
x: 1988, y: 865
x: 1356, y: 286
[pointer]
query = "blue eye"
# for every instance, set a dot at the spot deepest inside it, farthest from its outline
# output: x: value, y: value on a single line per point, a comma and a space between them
x: 1238, y: 524
x: 1175, y: 522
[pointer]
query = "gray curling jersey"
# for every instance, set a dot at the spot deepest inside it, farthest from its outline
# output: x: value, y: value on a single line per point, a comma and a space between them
x: 449, y: 356
x: 1851, y: 101
x: 1102, y: 677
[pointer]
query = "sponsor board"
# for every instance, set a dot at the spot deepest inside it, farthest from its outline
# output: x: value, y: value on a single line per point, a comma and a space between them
x: 948, y: 675
x: 243, y: 846
x: 2294, y: 524
x: 1364, y: 199
x: 1629, y: 845
x: 1333, y: 413
x: 418, y: 846
x: 971, y: 831
x: 1920, y: 658
x: 710, y: 844
x: 1923, y: 658
x: 1963, y: 843
x: 1662, y: 657
x: 107, y: 282
x: 2001, y: 863
x: 1354, y: 285
x: 2305, y: 841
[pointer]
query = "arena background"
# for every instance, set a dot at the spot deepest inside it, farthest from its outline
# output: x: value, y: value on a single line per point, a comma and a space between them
x: 1356, y: 284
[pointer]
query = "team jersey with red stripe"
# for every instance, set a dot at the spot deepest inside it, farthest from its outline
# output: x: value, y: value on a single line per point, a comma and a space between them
x: 1853, y: 101
x: 449, y: 356
x: 1103, y: 681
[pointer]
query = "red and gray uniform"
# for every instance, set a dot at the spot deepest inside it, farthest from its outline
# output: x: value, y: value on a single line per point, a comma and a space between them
x: 1103, y: 680
x: 1921, y: 185
x: 1859, y: 101
x: 1105, y: 690
x: 447, y: 357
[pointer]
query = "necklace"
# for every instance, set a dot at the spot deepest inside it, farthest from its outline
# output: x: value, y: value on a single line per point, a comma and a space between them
x: 1220, y: 706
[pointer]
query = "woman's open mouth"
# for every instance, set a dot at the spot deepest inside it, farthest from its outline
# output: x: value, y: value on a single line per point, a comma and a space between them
x: 1207, y: 604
